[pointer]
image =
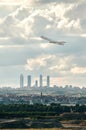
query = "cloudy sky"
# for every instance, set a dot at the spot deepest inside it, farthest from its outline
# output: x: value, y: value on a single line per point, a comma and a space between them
x: 22, y: 22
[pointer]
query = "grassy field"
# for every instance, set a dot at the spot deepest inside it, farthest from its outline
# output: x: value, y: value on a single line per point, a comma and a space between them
x: 26, y: 123
x: 49, y: 129
x: 40, y: 117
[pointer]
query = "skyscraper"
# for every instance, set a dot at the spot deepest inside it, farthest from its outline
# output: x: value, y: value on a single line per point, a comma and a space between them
x: 40, y: 81
x: 21, y: 81
x: 48, y: 81
x: 36, y: 83
x: 29, y: 81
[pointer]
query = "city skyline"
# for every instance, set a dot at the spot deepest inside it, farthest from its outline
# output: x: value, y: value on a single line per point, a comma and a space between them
x: 23, y: 51
x: 41, y: 81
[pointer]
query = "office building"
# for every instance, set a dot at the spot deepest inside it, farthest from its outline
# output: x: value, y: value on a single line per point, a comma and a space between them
x: 41, y: 81
x: 21, y: 81
x: 36, y: 83
x: 29, y: 81
x: 48, y: 81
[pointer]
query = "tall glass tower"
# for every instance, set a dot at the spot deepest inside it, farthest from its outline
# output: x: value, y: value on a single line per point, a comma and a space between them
x: 29, y: 81
x: 41, y: 81
x: 21, y: 81
x: 36, y: 83
x: 48, y: 81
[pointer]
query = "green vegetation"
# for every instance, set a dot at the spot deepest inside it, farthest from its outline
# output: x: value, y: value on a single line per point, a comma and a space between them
x: 38, y: 110
x: 39, y: 115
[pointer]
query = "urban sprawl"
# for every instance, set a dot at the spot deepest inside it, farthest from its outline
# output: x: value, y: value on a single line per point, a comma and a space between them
x: 38, y: 93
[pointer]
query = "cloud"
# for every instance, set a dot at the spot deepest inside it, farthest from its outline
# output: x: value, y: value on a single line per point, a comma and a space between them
x: 56, y: 1
x: 75, y: 13
x: 10, y: 2
x: 48, y: 63
x: 22, y: 25
x: 78, y: 70
x: 28, y: 22
x: 62, y: 66
x: 36, y: 63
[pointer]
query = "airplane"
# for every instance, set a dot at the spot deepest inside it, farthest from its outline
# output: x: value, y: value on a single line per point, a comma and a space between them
x: 54, y: 42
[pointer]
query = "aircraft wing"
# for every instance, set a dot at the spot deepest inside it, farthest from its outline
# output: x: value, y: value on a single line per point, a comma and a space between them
x: 43, y: 37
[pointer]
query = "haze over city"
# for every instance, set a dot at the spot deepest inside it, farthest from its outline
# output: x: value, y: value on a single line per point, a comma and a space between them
x: 22, y: 22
